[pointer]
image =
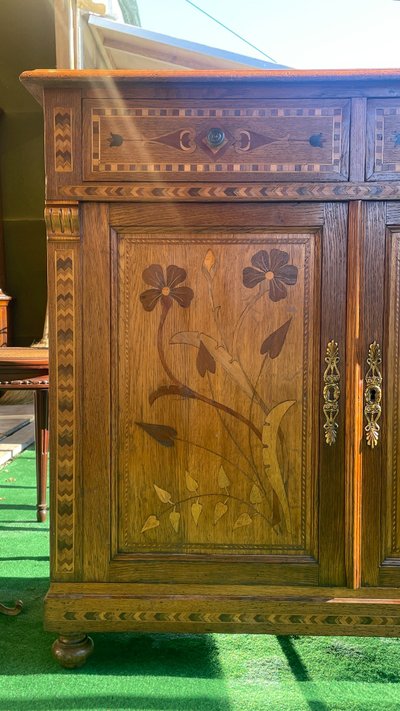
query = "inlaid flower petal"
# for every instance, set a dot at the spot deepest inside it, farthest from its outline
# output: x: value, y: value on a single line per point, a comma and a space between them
x: 149, y: 298
x: 252, y: 277
x: 288, y: 274
x: 175, y: 275
x: 154, y: 276
x: 278, y: 259
x: 277, y: 291
x: 260, y: 260
x: 182, y: 295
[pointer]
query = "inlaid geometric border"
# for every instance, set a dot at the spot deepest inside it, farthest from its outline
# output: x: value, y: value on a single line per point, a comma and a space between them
x: 380, y: 113
x: 273, y: 620
x: 63, y: 139
x: 257, y: 192
x: 65, y: 422
x: 276, y: 112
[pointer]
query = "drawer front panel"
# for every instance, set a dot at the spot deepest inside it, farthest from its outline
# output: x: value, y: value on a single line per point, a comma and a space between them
x: 274, y: 140
x: 383, y: 149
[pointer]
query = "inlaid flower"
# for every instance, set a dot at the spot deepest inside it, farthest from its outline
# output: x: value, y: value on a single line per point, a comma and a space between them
x: 165, y: 289
x: 275, y: 269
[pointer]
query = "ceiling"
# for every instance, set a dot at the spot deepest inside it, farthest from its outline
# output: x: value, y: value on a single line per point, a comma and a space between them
x: 108, y: 44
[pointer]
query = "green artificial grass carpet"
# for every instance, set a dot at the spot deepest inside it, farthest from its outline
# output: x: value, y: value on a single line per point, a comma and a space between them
x: 153, y: 672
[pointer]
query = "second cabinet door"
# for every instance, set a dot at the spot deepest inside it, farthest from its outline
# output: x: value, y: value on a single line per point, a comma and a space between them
x: 222, y: 316
x: 381, y: 370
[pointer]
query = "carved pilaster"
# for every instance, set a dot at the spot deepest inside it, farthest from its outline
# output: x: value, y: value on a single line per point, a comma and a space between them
x: 62, y: 221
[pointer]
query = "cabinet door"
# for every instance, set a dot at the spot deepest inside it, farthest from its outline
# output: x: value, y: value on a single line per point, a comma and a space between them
x: 213, y: 464
x: 381, y: 369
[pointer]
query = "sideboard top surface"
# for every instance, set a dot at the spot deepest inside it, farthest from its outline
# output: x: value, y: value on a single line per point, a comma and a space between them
x: 38, y: 79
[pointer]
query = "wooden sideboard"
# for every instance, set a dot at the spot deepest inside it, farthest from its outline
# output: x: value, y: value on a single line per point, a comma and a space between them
x: 224, y: 279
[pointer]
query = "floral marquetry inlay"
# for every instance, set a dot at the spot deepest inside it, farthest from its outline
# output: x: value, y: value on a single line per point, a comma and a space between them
x: 218, y: 335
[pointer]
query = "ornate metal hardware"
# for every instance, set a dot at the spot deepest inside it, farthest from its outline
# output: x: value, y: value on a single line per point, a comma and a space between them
x: 215, y: 137
x: 331, y: 392
x: 373, y: 394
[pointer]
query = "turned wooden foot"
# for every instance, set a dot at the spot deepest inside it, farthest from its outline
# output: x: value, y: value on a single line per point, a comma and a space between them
x: 72, y: 650
x: 11, y: 610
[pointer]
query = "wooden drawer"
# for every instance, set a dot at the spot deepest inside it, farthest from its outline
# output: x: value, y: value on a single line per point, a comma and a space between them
x: 264, y: 140
x: 383, y: 148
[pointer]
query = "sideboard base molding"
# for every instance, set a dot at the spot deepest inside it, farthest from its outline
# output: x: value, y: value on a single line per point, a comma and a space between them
x: 73, y: 607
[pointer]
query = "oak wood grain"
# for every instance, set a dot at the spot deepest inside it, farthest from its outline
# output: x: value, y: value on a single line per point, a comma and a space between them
x: 96, y: 392
x: 354, y: 393
x: 373, y: 279
x: 193, y: 484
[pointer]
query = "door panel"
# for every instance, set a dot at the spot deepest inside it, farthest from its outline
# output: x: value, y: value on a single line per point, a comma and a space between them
x: 392, y: 404
x: 218, y: 347
x: 381, y: 499
x: 215, y: 337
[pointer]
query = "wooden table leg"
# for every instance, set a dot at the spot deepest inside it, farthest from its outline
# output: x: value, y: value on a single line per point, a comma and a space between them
x: 42, y: 446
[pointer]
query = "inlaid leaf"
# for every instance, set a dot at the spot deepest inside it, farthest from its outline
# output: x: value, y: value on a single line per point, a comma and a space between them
x: 223, y: 481
x: 243, y: 520
x: 204, y: 361
x: 219, y: 511
x: 161, y: 433
x: 208, y: 266
x: 275, y: 341
x: 196, y: 509
x: 151, y: 522
x: 219, y: 353
x: 163, y: 390
x: 255, y: 495
x: 175, y: 517
x: 270, y: 458
x: 163, y: 495
x: 180, y: 390
x: 191, y: 483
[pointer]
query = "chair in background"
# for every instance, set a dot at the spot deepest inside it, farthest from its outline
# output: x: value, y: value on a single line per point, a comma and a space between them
x: 28, y: 369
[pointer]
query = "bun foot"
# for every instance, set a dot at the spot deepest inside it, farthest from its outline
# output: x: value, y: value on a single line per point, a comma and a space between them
x: 72, y: 651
